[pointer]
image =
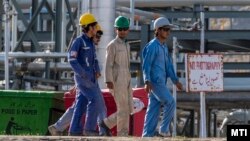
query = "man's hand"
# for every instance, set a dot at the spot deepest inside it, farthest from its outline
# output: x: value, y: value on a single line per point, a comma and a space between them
x: 179, y: 85
x: 148, y: 87
x: 110, y: 85
x: 97, y: 75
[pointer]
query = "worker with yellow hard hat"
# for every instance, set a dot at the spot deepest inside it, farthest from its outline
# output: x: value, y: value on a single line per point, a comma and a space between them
x: 64, y: 121
x: 82, y: 58
x: 98, y: 35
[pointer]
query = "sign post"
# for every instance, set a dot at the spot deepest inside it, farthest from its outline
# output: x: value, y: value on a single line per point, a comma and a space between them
x: 203, y: 128
x: 204, y: 74
x: 174, y: 87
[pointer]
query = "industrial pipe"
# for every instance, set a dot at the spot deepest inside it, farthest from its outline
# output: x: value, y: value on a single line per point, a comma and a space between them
x: 157, y: 3
x: 166, y: 3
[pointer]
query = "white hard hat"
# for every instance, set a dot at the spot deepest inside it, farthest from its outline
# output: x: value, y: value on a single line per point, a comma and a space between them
x: 160, y: 22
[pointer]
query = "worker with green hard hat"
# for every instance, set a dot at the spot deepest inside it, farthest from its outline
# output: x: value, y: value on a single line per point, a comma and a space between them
x: 117, y: 78
x: 121, y: 22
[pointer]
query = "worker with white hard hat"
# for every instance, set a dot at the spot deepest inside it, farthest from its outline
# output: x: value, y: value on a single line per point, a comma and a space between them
x: 157, y: 68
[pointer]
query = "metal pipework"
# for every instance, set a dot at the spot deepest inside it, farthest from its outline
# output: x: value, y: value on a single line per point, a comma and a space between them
x: 35, y: 55
x: 156, y: 3
x: 165, y: 3
x: 35, y: 66
x: 105, y: 14
x: 150, y: 15
x: 6, y: 42
x: 40, y: 66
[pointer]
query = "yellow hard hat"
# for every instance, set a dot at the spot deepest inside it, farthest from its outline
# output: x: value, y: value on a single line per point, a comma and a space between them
x: 86, y: 19
x: 98, y: 27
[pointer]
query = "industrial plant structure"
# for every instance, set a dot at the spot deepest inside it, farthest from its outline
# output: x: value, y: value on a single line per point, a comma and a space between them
x: 36, y: 34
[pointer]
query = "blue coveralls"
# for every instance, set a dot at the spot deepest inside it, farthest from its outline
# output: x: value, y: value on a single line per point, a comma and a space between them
x: 82, y: 59
x: 157, y: 67
x: 64, y: 121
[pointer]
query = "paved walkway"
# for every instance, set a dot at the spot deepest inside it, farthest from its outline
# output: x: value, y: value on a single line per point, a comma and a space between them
x: 70, y: 138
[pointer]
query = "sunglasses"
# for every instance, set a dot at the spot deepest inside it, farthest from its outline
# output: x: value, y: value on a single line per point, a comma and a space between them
x: 166, y: 29
x: 122, y: 29
x: 98, y: 37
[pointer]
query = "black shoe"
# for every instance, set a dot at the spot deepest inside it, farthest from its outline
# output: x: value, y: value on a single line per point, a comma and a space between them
x: 106, y: 129
x: 90, y: 133
x: 75, y: 134
x: 158, y: 134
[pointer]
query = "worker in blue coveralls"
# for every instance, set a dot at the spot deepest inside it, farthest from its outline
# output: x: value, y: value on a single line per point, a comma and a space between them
x: 157, y: 67
x: 63, y: 123
x: 83, y: 61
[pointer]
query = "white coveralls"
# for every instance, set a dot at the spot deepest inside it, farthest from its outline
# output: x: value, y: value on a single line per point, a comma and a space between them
x: 117, y: 71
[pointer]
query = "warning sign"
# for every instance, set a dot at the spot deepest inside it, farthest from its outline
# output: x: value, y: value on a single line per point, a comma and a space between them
x: 204, y: 72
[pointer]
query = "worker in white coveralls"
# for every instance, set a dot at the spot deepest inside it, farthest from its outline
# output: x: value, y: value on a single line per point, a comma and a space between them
x: 157, y: 68
x: 117, y: 78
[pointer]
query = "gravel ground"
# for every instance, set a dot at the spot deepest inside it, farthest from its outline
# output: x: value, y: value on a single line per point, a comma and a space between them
x: 70, y: 138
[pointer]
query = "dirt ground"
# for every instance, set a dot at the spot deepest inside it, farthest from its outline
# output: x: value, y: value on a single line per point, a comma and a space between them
x: 70, y: 138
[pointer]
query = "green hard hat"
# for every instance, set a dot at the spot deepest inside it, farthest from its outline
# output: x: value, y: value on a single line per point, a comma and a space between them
x: 121, y: 22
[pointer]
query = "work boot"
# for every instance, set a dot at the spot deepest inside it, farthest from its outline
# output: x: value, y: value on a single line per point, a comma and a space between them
x: 160, y: 134
x: 53, y: 131
x: 75, y: 134
x: 106, y: 129
x: 123, y: 132
x: 90, y: 133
